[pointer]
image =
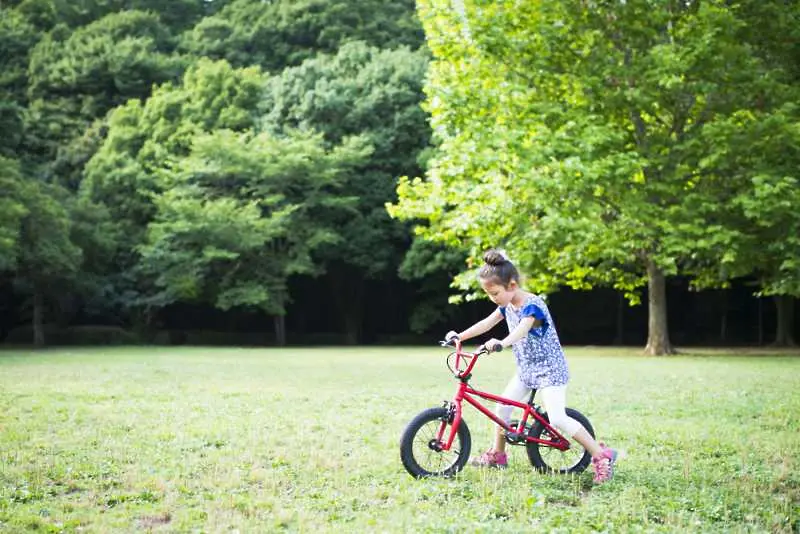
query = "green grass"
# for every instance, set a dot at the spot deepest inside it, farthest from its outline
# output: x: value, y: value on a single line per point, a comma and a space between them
x: 306, y: 440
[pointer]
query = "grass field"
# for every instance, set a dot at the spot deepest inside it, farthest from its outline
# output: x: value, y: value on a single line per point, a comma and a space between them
x: 306, y: 440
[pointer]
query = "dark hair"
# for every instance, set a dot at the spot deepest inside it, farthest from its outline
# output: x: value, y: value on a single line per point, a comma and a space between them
x: 498, y: 267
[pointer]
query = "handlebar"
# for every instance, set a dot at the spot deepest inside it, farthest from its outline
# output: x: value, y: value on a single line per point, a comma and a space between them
x: 455, y: 342
x: 471, y: 357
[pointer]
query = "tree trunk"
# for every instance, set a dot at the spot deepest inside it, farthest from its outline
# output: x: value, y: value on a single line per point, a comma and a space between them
x: 352, y: 309
x: 784, y: 337
x: 144, y: 324
x: 723, y: 326
x: 353, y: 323
x: 657, y: 330
x: 619, y: 338
x: 348, y: 292
x: 38, y: 317
x: 280, y: 330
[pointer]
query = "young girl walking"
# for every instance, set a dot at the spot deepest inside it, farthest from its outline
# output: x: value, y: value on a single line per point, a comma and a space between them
x: 540, y: 361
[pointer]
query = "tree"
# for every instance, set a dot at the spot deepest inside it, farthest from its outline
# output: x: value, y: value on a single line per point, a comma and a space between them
x: 375, y: 93
x: 76, y: 77
x: 573, y: 133
x: 762, y: 158
x: 17, y: 38
x: 47, y: 259
x: 51, y: 243
x: 144, y: 139
x: 246, y: 213
x: 760, y: 155
x: 434, y: 268
x: 275, y: 35
x: 177, y: 14
x: 12, y: 210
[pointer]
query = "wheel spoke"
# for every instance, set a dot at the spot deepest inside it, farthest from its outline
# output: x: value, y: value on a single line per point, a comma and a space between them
x: 433, y: 461
x: 421, y: 449
x: 547, y: 458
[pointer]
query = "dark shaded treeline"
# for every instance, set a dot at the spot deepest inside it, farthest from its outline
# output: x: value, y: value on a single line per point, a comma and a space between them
x: 731, y: 317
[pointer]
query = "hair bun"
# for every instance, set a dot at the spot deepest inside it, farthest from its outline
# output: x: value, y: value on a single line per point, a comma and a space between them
x: 494, y: 257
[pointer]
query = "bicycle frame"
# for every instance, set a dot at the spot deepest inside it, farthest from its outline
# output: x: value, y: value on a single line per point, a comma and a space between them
x: 467, y: 393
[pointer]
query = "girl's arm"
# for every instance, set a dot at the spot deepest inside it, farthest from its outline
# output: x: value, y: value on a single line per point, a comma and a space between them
x: 482, y: 326
x: 522, y: 329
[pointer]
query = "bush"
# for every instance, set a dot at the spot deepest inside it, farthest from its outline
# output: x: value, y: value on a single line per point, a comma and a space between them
x: 75, y: 335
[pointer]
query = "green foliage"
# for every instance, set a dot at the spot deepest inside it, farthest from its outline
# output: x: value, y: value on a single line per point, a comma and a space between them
x: 107, y: 119
x: 370, y: 92
x: 11, y: 122
x: 177, y: 14
x: 765, y: 160
x: 193, y: 239
x: 46, y: 252
x: 278, y: 34
x: 93, y: 231
x: 41, y: 14
x: 76, y: 77
x: 105, y: 63
x: 245, y: 213
x: 17, y: 38
x: 12, y: 211
x: 143, y: 139
x: 35, y: 228
x: 434, y: 267
x: 581, y: 137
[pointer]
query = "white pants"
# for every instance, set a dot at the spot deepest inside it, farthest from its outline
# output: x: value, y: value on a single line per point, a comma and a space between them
x: 554, y: 400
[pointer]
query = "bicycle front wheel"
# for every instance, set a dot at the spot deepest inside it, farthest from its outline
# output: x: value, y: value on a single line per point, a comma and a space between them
x: 421, y: 452
x: 551, y: 460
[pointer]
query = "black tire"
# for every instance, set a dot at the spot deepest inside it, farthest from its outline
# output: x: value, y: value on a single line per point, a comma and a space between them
x: 418, y: 450
x: 551, y: 460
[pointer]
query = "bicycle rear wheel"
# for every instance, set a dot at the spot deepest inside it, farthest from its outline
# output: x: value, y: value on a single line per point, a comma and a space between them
x: 551, y: 460
x: 421, y: 452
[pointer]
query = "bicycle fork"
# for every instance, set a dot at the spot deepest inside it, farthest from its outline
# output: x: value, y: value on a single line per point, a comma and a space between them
x: 453, y: 420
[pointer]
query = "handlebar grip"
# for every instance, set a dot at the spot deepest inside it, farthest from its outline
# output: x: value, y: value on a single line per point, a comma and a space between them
x: 450, y: 342
x: 485, y: 350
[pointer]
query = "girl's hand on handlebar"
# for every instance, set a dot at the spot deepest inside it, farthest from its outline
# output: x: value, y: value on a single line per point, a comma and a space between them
x: 493, y: 345
x: 450, y: 339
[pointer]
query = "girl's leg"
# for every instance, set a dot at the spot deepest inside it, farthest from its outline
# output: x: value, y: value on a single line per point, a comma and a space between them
x: 515, y: 390
x: 496, y: 456
x: 554, y: 399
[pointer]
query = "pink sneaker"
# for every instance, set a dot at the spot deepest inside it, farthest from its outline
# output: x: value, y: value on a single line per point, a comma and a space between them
x: 604, y: 465
x: 491, y: 458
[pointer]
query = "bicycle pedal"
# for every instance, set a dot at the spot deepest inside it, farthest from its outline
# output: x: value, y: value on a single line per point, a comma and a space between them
x: 515, y: 438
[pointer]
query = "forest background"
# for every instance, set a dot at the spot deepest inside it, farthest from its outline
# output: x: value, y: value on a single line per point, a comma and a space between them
x: 218, y: 172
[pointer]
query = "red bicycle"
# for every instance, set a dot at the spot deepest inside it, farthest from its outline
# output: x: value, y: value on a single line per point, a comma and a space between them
x: 437, y: 442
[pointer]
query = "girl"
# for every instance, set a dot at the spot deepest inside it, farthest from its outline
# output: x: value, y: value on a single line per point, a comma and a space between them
x: 540, y: 361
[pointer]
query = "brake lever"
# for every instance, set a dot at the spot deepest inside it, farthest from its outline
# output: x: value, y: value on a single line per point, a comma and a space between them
x: 449, y: 342
x: 483, y: 350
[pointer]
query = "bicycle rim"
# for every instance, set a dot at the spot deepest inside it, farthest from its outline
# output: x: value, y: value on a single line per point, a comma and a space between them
x: 558, y: 460
x: 429, y: 459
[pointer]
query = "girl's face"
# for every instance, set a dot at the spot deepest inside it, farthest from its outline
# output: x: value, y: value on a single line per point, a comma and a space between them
x: 498, y: 293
